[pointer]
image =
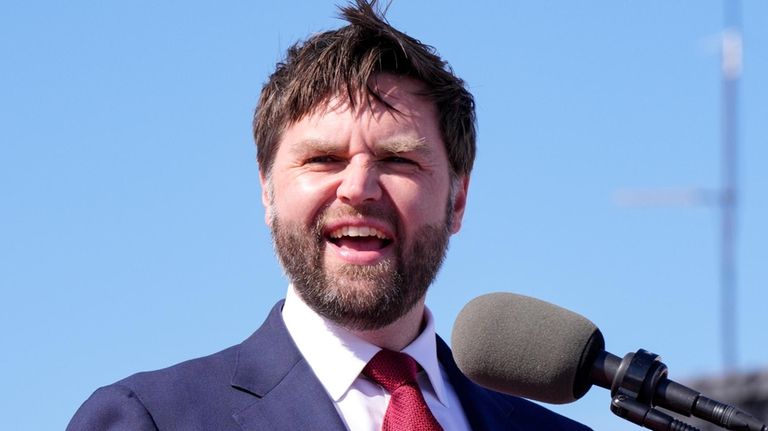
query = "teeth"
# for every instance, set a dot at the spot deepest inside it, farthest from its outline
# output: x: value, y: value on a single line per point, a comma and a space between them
x: 357, y: 231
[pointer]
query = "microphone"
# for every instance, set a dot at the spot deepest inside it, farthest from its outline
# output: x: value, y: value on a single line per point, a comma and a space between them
x: 530, y: 348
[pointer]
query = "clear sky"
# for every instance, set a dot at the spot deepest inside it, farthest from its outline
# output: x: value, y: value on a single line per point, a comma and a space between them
x: 131, y: 229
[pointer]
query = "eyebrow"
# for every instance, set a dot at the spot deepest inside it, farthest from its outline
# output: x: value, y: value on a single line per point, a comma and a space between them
x: 404, y: 145
x: 396, y: 145
x: 314, y: 145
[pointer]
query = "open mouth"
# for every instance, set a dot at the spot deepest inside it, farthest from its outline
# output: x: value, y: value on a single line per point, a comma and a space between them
x: 359, y: 238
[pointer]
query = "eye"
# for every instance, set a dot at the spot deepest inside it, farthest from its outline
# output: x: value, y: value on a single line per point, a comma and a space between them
x: 324, y: 159
x: 399, y: 160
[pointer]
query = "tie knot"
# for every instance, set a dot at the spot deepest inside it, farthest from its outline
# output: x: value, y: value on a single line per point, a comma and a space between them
x: 407, y: 410
x: 391, y: 369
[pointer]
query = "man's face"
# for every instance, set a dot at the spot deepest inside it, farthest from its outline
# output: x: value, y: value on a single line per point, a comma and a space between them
x: 361, y: 205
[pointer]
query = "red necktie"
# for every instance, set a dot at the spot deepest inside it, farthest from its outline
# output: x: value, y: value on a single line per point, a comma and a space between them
x: 396, y: 372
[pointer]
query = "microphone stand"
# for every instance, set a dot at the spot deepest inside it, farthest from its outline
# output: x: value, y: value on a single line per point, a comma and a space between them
x: 646, y: 416
x: 639, y: 382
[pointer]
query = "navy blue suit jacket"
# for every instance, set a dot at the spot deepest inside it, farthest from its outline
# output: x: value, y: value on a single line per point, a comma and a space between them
x: 265, y: 384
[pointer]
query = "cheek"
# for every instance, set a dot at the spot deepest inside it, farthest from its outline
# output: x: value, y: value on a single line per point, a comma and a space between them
x: 419, y: 203
x: 299, y: 199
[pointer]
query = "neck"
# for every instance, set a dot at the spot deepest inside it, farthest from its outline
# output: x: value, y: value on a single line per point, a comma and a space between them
x: 399, y: 333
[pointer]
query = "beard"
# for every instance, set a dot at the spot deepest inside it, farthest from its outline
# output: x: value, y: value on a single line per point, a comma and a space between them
x: 361, y: 297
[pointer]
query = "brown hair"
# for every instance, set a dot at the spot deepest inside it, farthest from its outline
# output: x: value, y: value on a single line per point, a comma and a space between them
x: 344, y: 60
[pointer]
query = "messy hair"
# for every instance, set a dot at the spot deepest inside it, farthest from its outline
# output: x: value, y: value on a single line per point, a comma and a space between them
x: 342, y: 62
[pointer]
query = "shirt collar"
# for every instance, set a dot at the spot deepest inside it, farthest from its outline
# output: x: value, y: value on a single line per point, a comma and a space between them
x: 337, y: 356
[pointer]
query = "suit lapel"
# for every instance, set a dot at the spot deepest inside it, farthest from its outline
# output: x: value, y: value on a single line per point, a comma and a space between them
x: 289, y: 395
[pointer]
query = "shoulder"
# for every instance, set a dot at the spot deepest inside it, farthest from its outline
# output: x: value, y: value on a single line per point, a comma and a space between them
x: 538, y: 416
x: 113, y: 407
x: 199, y: 394
x: 210, y: 372
x: 488, y: 409
x: 178, y: 383
x: 147, y: 400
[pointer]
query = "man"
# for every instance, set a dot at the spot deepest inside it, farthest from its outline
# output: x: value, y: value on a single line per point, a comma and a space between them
x: 365, y: 143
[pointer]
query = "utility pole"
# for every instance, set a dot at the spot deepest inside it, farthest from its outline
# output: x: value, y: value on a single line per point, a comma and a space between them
x: 726, y: 198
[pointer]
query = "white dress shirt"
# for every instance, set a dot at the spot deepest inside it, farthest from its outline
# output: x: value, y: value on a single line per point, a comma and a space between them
x: 338, y: 357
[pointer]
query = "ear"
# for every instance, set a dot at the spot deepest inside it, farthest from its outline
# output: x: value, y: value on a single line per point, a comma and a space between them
x: 459, y: 203
x: 265, y: 198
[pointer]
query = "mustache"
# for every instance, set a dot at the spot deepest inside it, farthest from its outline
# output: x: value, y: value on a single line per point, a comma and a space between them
x: 382, y: 213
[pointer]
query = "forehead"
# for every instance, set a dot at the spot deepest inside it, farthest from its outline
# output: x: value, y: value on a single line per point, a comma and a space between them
x: 400, y: 108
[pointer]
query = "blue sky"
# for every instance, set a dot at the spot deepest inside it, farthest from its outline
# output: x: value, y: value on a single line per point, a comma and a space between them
x: 132, y: 232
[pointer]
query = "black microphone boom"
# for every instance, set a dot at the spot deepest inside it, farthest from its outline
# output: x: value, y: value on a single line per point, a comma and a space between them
x: 530, y: 348
x: 642, y: 376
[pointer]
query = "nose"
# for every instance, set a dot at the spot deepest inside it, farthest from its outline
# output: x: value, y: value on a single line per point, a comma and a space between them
x: 359, y: 183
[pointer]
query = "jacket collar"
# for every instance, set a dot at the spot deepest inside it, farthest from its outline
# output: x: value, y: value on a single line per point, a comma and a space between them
x: 289, y: 396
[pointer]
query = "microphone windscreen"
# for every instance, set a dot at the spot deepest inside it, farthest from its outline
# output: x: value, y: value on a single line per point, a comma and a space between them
x: 526, y: 347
